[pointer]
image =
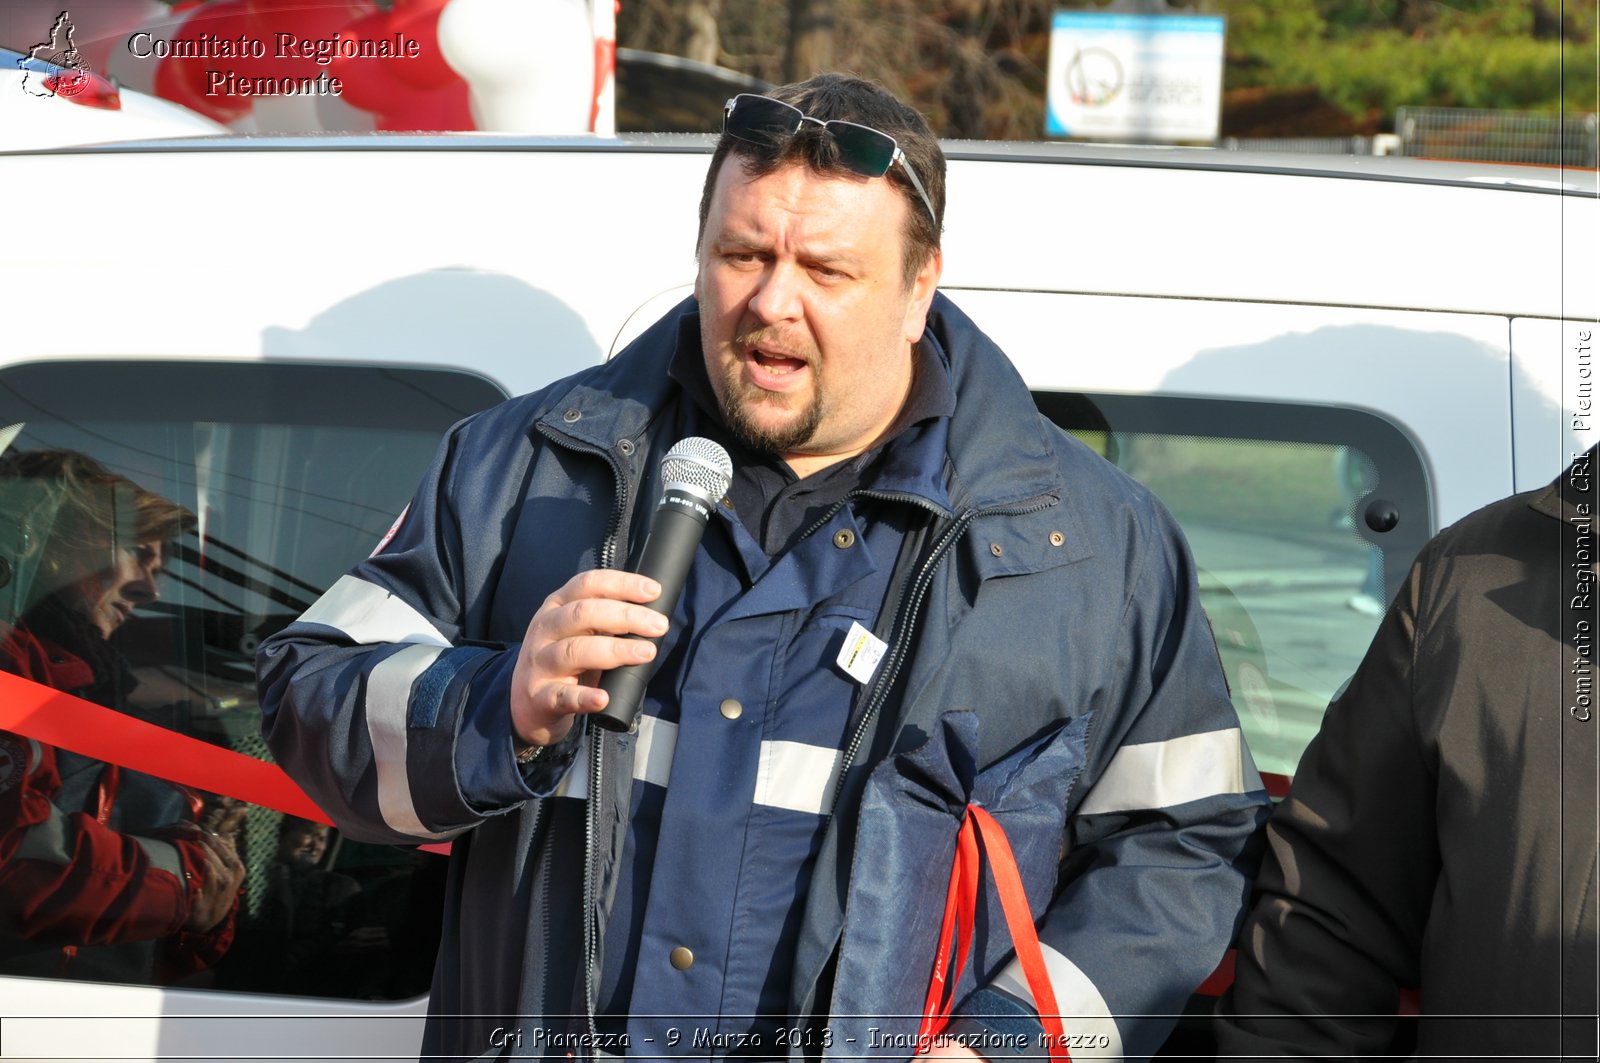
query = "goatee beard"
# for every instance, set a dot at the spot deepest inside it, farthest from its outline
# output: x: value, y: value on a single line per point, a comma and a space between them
x: 786, y: 439
x: 738, y: 396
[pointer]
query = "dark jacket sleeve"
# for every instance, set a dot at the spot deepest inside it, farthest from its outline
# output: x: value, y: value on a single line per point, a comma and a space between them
x: 1345, y: 890
x: 373, y: 701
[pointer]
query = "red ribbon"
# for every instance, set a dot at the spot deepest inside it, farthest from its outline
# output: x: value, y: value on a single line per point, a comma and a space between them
x: 46, y: 715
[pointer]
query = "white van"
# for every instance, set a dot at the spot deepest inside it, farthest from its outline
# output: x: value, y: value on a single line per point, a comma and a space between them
x: 1316, y: 362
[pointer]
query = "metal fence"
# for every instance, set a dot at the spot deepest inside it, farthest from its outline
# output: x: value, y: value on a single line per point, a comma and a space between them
x: 1355, y: 145
x: 1458, y: 133
x: 1499, y: 136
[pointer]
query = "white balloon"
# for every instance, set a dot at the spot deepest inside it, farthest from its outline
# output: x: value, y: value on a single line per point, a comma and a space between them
x: 528, y: 64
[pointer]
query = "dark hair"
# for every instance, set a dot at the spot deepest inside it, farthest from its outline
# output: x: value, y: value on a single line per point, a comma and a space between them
x: 831, y: 97
x: 289, y: 824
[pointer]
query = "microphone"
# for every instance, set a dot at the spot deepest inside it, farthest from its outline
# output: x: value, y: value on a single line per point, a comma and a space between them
x: 695, y: 475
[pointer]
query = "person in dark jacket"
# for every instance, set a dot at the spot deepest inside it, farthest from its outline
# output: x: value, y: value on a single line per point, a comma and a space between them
x: 759, y: 867
x: 288, y: 944
x: 1440, y: 835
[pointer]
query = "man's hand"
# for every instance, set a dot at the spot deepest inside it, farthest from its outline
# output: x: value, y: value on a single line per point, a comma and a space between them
x: 576, y: 635
x: 221, y: 872
x: 948, y: 1048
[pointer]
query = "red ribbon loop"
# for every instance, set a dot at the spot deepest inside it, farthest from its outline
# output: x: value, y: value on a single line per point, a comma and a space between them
x: 960, y: 908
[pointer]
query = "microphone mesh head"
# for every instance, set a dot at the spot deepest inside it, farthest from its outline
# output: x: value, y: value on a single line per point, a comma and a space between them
x: 700, y: 464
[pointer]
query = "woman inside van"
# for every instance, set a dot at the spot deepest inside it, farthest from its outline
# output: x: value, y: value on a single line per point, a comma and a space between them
x: 104, y: 873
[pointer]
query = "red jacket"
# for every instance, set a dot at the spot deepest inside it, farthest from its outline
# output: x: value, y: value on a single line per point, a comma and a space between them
x: 80, y: 880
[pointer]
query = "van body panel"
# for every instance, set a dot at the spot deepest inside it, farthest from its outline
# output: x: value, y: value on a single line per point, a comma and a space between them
x: 1266, y: 237
x: 51, y: 1020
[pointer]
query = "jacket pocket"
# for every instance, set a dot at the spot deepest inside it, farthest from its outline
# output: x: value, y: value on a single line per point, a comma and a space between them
x: 910, y: 813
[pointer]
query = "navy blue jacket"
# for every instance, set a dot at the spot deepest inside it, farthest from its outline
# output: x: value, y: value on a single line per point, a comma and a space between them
x: 1049, y: 659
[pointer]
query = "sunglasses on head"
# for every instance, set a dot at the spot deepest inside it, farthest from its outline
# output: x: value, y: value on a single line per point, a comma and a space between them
x: 862, y: 149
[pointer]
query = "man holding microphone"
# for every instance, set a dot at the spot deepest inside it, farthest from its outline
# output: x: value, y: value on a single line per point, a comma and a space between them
x: 912, y: 594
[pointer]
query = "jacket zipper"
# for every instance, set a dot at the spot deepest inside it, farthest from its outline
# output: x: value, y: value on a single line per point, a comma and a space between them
x: 910, y: 608
x: 544, y: 911
x: 901, y: 632
x: 591, y: 892
x: 591, y: 829
x: 874, y: 698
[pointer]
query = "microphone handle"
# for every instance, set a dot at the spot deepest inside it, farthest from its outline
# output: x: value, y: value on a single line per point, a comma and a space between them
x: 674, y: 538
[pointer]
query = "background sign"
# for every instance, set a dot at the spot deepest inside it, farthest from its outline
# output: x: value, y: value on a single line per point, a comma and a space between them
x: 1135, y: 77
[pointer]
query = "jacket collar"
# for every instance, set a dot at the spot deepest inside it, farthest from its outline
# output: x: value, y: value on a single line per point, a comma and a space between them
x: 998, y: 453
x: 619, y: 398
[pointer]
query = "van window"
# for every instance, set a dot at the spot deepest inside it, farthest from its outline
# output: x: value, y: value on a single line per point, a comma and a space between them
x: 157, y: 520
x: 1303, y: 521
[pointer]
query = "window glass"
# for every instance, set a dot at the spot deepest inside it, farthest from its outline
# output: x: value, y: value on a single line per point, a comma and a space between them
x: 1303, y: 521
x: 157, y: 520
